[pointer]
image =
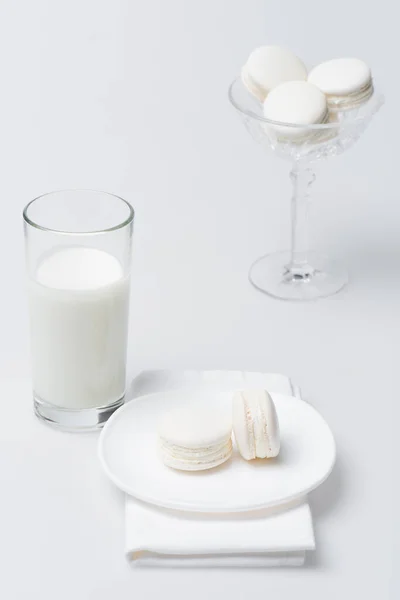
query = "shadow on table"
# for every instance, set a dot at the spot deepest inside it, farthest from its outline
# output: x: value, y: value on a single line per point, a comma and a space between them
x: 324, y: 500
x: 372, y: 262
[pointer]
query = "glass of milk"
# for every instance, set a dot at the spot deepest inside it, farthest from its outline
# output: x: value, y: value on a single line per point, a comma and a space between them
x: 78, y: 255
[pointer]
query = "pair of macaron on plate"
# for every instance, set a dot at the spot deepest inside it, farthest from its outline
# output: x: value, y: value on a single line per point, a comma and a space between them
x: 190, y: 431
x: 292, y: 96
x: 196, y: 438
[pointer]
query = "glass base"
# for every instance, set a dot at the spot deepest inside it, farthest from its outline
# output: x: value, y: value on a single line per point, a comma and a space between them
x: 270, y: 274
x: 74, y: 420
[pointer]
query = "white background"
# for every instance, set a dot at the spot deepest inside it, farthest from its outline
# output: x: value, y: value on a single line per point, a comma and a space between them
x: 131, y: 97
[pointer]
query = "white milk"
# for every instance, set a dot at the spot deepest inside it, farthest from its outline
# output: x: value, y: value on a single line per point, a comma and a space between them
x: 79, y: 324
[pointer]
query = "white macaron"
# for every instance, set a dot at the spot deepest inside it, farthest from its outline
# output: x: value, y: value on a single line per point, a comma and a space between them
x: 347, y: 82
x: 255, y: 424
x: 297, y: 103
x: 268, y: 66
x: 195, y: 438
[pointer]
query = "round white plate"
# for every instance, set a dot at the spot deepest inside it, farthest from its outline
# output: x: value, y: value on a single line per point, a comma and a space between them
x: 129, y: 454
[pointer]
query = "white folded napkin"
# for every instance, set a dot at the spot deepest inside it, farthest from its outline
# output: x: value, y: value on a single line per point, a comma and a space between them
x: 265, y: 538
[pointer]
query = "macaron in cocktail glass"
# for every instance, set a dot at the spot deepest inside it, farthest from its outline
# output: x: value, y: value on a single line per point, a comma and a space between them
x: 299, y: 274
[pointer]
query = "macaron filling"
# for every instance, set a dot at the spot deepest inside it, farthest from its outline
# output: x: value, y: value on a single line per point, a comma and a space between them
x: 192, y: 459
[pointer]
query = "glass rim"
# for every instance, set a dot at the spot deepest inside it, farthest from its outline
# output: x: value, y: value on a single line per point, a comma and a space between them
x: 379, y: 100
x: 120, y: 225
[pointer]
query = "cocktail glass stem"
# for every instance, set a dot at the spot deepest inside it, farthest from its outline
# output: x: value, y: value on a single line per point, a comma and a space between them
x: 299, y: 268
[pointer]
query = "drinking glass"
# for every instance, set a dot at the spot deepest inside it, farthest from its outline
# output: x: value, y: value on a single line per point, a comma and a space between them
x: 78, y: 258
x: 298, y: 273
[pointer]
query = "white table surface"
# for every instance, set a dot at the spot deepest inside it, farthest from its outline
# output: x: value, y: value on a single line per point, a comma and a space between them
x: 130, y: 97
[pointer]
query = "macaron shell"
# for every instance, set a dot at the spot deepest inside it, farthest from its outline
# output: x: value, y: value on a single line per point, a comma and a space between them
x: 243, y: 427
x: 265, y: 424
x: 255, y: 424
x: 258, y: 410
x: 269, y: 66
x: 193, y: 426
x: 341, y: 76
x: 296, y: 102
x: 272, y: 434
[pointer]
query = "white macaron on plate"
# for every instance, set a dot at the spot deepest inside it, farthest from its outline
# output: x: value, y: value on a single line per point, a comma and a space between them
x: 128, y: 451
